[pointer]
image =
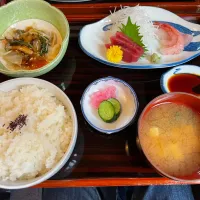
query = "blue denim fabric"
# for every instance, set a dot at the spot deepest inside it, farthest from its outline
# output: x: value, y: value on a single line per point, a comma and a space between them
x: 26, y: 194
x: 90, y: 193
x: 168, y: 192
x: 129, y: 193
x: 179, y: 192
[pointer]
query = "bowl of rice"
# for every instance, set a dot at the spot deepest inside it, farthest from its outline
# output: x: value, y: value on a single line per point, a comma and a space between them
x: 38, y: 131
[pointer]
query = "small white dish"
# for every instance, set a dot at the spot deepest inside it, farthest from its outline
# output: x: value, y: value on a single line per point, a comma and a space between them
x: 60, y: 95
x: 183, y: 69
x: 93, y: 37
x: 124, y: 94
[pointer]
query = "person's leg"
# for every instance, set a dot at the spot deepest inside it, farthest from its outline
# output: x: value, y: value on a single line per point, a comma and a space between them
x: 87, y: 193
x: 26, y: 194
x: 179, y: 192
x: 169, y: 192
x: 130, y: 193
x: 107, y: 193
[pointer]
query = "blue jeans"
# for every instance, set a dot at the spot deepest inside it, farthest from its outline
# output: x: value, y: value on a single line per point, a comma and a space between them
x: 167, y: 192
x: 183, y: 192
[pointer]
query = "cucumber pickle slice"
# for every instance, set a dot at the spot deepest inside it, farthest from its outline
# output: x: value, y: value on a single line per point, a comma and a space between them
x: 109, y: 110
x: 116, y: 105
x: 106, y: 111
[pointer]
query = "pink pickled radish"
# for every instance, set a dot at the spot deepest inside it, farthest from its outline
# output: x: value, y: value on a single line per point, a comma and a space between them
x: 104, y: 94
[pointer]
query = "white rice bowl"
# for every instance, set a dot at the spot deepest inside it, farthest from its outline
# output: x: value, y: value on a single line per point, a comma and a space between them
x: 35, y: 148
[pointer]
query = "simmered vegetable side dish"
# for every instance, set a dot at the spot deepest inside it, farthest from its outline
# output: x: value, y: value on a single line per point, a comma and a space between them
x: 30, y: 48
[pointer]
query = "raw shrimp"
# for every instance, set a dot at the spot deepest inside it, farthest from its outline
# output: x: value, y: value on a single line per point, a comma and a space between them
x: 175, y: 42
x: 187, y: 39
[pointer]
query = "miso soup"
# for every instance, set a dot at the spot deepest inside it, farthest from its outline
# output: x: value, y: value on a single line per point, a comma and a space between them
x: 170, y: 138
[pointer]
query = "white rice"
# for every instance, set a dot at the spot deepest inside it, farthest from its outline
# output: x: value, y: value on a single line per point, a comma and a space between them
x: 38, y: 146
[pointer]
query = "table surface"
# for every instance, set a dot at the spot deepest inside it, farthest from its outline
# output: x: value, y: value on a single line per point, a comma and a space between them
x: 99, y: 159
x: 98, y: 156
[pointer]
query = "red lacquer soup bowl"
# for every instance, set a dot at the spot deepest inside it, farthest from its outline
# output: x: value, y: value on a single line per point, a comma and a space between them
x: 178, y: 98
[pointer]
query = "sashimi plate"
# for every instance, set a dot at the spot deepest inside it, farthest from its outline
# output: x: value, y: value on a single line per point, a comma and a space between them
x: 93, y: 37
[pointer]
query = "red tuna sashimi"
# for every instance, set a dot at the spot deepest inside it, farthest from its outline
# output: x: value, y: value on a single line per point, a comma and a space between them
x: 117, y: 41
x: 108, y: 45
x: 102, y: 95
x: 131, y: 46
x: 128, y: 56
x: 126, y: 48
x: 125, y: 38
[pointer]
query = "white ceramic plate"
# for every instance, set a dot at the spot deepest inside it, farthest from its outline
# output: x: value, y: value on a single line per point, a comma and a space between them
x: 18, y: 83
x: 94, y: 36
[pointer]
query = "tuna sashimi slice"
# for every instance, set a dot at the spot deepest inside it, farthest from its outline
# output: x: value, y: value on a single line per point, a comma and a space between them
x: 116, y: 41
x: 135, y: 54
x: 125, y: 38
x: 127, y: 49
x: 108, y: 45
x: 131, y: 51
x: 132, y: 46
x: 97, y: 97
x: 128, y: 56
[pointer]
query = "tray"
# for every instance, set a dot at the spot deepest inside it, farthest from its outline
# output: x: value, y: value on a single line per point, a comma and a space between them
x: 98, y: 159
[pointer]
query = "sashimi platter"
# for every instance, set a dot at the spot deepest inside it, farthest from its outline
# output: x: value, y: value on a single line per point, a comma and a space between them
x: 141, y: 37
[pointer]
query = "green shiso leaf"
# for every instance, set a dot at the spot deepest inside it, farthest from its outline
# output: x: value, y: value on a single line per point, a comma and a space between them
x: 132, y: 31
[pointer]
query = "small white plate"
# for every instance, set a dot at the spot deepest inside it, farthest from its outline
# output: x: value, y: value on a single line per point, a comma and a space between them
x: 93, y: 37
x: 183, y: 69
x: 126, y: 96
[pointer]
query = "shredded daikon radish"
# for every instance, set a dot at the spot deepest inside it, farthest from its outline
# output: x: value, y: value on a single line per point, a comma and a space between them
x: 139, y: 16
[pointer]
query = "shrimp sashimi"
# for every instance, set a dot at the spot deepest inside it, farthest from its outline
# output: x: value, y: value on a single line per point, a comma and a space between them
x: 187, y: 39
x: 175, y: 42
x: 166, y: 38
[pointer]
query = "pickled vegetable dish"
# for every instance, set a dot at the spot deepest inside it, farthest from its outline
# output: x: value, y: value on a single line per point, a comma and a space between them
x: 109, y: 108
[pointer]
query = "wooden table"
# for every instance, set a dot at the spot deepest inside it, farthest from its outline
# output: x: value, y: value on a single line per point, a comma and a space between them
x: 100, y: 160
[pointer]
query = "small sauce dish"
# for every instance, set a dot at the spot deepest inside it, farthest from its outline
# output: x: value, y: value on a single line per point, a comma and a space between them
x: 184, y: 78
x: 124, y: 94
